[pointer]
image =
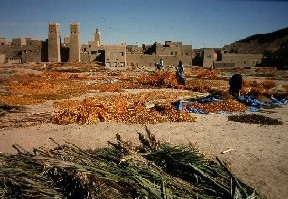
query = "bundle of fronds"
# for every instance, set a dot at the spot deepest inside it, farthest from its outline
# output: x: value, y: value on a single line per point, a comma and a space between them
x: 150, y: 170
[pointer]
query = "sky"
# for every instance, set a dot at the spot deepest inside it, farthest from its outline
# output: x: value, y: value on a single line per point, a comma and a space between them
x: 200, y: 23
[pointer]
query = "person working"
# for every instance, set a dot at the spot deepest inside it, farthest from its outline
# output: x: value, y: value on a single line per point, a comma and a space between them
x: 181, y: 79
x: 235, y: 83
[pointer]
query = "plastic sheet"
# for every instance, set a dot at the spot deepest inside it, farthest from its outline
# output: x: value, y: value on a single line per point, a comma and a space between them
x: 252, y: 103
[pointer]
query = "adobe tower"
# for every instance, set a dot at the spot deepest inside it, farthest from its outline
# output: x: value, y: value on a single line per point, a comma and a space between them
x: 54, y: 43
x: 74, y: 52
x: 97, y: 37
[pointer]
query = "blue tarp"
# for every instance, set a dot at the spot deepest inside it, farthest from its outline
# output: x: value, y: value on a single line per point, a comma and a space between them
x: 252, y: 103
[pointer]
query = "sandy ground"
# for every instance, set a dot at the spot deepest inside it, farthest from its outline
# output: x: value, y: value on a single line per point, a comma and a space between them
x: 259, y: 156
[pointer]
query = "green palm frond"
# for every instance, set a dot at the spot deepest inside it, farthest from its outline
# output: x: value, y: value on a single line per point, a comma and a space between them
x: 150, y: 170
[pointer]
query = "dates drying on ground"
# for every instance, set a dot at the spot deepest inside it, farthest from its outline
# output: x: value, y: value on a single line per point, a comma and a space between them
x: 229, y: 105
x: 254, y: 119
x: 126, y: 108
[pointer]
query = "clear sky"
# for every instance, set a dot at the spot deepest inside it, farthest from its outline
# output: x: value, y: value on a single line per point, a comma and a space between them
x: 202, y: 23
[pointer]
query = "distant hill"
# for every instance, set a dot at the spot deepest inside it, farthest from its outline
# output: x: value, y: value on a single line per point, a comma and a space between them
x: 260, y: 43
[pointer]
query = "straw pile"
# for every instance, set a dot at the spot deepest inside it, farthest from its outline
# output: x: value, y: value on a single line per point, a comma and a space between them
x: 150, y: 170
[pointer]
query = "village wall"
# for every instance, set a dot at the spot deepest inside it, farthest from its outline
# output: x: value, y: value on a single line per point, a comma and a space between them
x: 31, y: 52
x: 225, y: 59
x: 12, y: 52
x: 150, y: 60
x: 171, y: 53
x: 242, y: 60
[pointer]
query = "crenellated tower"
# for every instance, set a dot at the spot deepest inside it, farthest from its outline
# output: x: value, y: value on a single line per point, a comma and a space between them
x: 54, y: 42
x: 74, y: 52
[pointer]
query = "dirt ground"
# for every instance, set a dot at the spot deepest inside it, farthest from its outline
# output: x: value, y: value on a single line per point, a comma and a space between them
x: 258, y: 154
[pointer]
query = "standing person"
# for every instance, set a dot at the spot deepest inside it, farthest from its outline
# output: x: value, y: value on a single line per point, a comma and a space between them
x: 235, y: 83
x: 161, y: 63
x: 181, y: 79
x: 160, y: 66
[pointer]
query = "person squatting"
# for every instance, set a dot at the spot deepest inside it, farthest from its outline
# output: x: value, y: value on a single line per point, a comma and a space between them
x: 235, y: 84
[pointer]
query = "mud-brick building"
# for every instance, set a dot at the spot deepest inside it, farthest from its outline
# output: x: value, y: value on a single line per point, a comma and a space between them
x: 238, y: 60
x: 221, y: 58
x: 108, y: 55
x: 13, y: 50
x: 115, y: 55
x: 171, y: 53
x: 34, y: 51
x: 23, y: 50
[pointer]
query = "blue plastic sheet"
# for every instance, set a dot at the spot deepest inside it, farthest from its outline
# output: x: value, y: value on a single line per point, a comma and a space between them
x: 182, y: 105
x: 208, y: 98
x: 252, y: 103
